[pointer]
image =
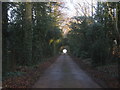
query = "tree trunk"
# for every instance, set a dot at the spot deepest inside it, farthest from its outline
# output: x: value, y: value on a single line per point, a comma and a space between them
x: 118, y: 34
x: 28, y: 34
x: 4, y: 37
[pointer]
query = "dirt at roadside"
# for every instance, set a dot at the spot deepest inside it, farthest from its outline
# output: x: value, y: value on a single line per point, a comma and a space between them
x: 104, y: 75
x: 27, y: 80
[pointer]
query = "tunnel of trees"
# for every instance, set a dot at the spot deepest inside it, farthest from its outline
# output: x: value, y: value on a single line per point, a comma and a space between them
x: 97, y: 36
x: 31, y: 34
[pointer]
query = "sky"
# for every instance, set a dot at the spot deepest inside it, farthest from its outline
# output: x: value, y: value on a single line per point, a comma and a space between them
x: 72, y: 5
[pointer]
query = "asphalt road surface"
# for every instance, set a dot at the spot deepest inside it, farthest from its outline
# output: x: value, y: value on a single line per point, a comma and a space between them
x: 65, y: 73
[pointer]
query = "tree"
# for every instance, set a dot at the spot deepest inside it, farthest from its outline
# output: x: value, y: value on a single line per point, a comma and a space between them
x: 28, y: 29
x: 94, y: 36
x: 27, y: 34
x: 4, y: 36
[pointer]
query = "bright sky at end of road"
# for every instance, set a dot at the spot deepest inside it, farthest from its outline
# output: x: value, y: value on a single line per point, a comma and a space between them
x: 64, y: 50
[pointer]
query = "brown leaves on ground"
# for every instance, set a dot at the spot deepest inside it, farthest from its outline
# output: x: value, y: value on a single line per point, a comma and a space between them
x: 27, y: 80
x: 106, y: 76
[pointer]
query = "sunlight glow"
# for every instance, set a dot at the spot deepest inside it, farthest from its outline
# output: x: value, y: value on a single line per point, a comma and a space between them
x: 64, y: 50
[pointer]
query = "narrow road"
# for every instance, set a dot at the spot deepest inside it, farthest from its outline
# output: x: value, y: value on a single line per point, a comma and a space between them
x: 65, y: 73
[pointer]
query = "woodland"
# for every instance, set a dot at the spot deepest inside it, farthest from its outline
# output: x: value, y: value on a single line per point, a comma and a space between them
x: 31, y: 35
